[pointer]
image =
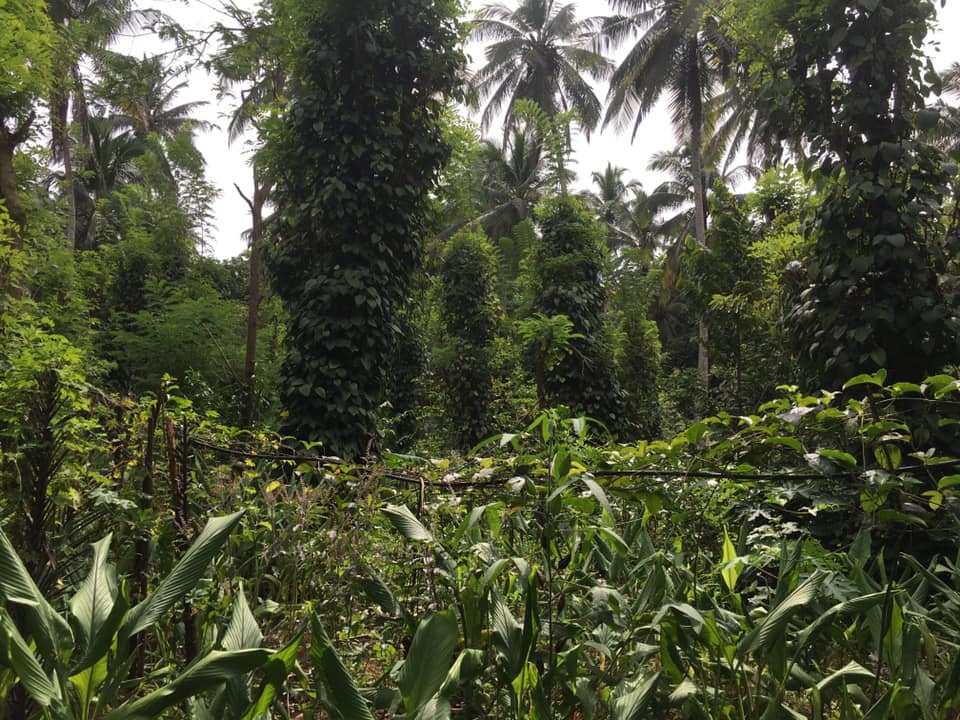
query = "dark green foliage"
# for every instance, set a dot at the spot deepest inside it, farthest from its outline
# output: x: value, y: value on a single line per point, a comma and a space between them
x: 468, y: 316
x: 874, y: 300
x: 358, y: 153
x: 638, y: 352
x: 639, y: 373
x: 727, y: 285
x: 564, y: 269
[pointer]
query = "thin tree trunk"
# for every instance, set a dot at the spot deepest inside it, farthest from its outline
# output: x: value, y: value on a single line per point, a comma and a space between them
x: 260, y: 194
x: 67, y: 152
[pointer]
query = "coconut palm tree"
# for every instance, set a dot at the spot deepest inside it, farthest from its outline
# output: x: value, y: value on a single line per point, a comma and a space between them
x: 106, y: 165
x: 538, y: 52
x: 86, y: 28
x: 680, y: 54
x: 144, y: 95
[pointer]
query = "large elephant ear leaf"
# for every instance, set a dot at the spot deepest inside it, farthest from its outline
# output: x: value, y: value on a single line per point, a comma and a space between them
x: 343, y: 697
x: 184, y: 575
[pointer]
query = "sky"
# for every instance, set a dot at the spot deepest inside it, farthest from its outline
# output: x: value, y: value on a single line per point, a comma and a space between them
x: 228, y: 164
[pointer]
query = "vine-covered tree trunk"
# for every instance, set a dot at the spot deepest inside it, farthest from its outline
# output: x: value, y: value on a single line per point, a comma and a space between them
x: 357, y: 157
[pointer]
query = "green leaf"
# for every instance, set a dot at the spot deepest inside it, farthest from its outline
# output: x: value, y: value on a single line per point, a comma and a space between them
x: 340, y: 686
x: 437, y: 708
x: 206, y: 674
x: 50, y: 632
x: 851, y: 671
x: 789, y: 442
x: 857, y: 606
x: 840, y: 456
x: 428, y: 660
x: 275, y: 674
x: 242, y: 632
x: 600, y: 495
x: 408, y: 525
x: 25, y: 665
x: 184, y: 575
x: 468, y: 665
x: 769, y: 629
x: 93, y: 602
x: 732, y: 565
x: 876, y: 378
x: 630, y: 700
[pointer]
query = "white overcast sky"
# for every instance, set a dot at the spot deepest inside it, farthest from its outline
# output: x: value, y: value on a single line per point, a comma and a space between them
x: 227, y: 164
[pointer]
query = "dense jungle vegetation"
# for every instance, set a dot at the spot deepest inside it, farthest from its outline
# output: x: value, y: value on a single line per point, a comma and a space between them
x: 464, y: 434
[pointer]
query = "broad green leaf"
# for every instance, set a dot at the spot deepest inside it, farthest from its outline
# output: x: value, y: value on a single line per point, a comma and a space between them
x: 340, y: 686
x: 275, y: 674
x: 93, y: 602
x: 49, y: 630
x: 206, y: 674
x: 468, y: 664
x: 857, y: 606
x: 876, y: 378
x: 851, y: 671
x: 88, y: 680
x: 26, y: 666
x: 184, y: 575
x: 630, y: 700
x: 732, y: 565
x: 684, y: 691
x: 428, y: 660
x: 769, y: 629
x: 840, y: 456
x: 408, y: 525
x: 106, y: 635
x: 507, y: 637
x: 377, y: 591
x: 789, y: 442
x: 437, y: 708
x: 600, y: 495
x: 242, y: 632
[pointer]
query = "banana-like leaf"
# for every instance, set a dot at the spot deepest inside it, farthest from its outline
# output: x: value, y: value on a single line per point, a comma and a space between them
x: 206, y: 674
x: 468, y: 665
x: 630, y: 701
x: 377, y: 591
x: 436, y: 709
x: 408, y: 525
x: 428, y: 660
x: 857, y: 605
x: 20, y: 657
x: 345, y: 697
x: 275, y: 676
x: 243, y: 631
x: 50, y: 632
x: 184, y: 575
x: 507, y: 637
x: 851, y: 671
x: 770, y: 627
x: 93, y: 602
x: 101, y: 643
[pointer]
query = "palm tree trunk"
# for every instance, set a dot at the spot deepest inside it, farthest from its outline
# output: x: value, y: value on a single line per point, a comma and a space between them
x: 699, y: 191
